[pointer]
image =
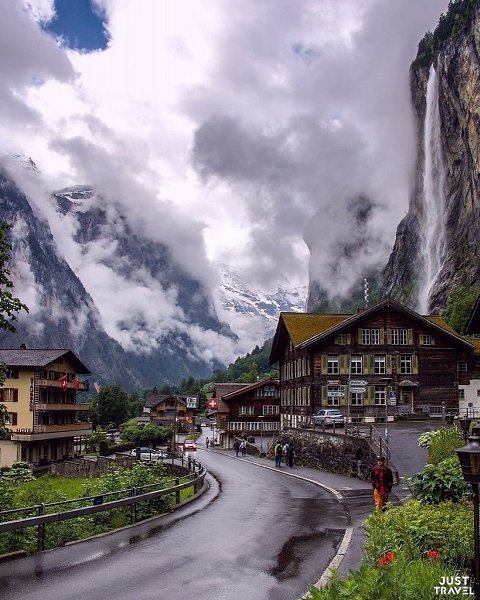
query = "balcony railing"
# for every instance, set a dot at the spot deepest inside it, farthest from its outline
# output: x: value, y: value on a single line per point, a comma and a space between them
x: 54, y: 383
x: 59, y: 406
x: 31, y: 433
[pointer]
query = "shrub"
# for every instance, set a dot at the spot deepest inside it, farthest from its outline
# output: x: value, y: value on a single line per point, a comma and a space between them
x: 439, y: 483
x: 443, y: 443
x: 415, y: 528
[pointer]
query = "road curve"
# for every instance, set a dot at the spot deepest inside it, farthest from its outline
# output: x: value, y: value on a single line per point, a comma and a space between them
x: 257, y: 535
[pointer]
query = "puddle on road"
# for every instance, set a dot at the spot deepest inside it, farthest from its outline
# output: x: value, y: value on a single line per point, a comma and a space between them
x: 297, y: 549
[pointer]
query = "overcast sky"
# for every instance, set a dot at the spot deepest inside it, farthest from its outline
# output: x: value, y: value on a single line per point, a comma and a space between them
x: 227, y: 129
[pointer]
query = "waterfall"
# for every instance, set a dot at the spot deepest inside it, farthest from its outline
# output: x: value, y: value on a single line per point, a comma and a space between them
x: 433, y: 243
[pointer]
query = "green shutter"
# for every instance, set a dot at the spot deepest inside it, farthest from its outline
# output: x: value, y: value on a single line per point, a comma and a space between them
x: 344, y: 364
x: 414, y: 364
x: 365, y: 364
x: 382, y: 336
x: 389, y: 336
x: 398, y: 363
x: 370, y: 395
x: 349, y: 338
x: 433, y: 340
x: 371, y: 363
x: 410, y: 337
x: 324, y: 395
x: 388, y: 364
x: 324, y: 364
x: 360, y: 335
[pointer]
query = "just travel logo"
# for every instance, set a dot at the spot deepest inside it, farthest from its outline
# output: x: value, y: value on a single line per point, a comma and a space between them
x: 458, y: 585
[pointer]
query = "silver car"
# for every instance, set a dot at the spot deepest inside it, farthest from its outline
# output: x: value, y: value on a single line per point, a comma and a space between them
x: 328, y: 417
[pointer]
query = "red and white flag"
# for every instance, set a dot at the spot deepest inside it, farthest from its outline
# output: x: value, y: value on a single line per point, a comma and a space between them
x: 63, y: 381
x: 98, y: 389
x: 76, y: 383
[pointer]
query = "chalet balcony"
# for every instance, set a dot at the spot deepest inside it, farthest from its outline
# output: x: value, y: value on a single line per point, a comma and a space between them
x: 43, y: 406
x: 54, y: 383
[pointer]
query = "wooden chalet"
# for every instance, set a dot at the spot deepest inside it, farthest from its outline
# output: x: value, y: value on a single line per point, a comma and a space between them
x: 171, y: 410
x: 247, y: 410
x: 382, y: 362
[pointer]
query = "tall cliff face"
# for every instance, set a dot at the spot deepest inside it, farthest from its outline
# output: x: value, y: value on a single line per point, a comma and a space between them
x: 437, y: 243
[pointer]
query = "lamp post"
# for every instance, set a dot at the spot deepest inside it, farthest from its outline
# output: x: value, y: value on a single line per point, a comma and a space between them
x: 386, y: 381
x: 261, y: 417
x: 469, y: 457
x: 465, y: 423
x: 449, y: 419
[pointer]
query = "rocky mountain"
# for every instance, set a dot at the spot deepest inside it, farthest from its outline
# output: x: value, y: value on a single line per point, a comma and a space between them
x: 62, y: 311
x: 258, y: 306
x: 437, y: 243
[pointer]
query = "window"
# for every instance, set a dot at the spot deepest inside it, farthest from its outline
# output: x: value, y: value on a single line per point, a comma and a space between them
x: 341, y: 339
x: 379, y: 363
x: 246, y: 410
x: 270, y: 391
x: 271, y: 410
x: 380, y: 394
x: 333, y: 395
x: 426, y: 340
x: 370, y: 337
x: 12, y: 373
x: 461, y: 394
x: 356, y: 367
x: 463, y: 365
x: 11, y: 418
x: 406, y: 364
x: 357, y: 398
x: 8, y: 395
x: 333, y: 367
x: 399, y: 337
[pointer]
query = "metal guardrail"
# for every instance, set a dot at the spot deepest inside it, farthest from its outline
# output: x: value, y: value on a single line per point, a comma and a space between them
x: 195, y: 479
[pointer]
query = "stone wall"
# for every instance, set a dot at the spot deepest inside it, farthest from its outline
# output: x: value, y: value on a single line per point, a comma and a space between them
x: 338, y: 453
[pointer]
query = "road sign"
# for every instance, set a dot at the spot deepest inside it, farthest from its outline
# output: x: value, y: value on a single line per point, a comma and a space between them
x: 191, y: 402
x: 356, y: 382
x: 358, y: 390
x: 335, y: 394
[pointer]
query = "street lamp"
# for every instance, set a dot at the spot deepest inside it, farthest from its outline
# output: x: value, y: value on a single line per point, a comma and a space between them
x: 386, y: 381
x: 261, y: 417
x: 469, y: 457
x: 465, y: 423
x: 449, y: 419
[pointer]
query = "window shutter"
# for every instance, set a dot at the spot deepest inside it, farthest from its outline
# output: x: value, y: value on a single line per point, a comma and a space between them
x: 370, y: 395
x: 414, y: 364
x: 388, y: 364
x: 344, y: 364
x: 365, y: 364
x: 360, y: 335
x: 389, y: 336
x: 371, y: 363
x: 324, y: 395
x: 324, y: 364
x: 349, y: 338
x: 398, y: 363
x: 433, y: 340
x: 410, y: 337
x: 382, y: 336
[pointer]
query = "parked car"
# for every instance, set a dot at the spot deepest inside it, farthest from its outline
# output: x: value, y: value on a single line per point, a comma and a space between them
x: 148, y: 453
x: 189, y: 446
x: 328, y: 417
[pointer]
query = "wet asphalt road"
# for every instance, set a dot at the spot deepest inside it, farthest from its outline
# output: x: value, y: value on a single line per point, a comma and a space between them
x: 259, y: 536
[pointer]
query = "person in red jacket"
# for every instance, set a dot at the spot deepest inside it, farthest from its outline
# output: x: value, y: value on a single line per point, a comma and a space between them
x: 382, y: 482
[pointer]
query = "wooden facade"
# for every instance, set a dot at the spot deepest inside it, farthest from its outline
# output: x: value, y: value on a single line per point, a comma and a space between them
x: 247, y: 410
x: 379, y: 363
x: 171, y: 410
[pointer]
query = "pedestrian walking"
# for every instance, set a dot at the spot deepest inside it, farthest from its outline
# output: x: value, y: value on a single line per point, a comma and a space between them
x: 236, y: 446
x: 382, y: 482
x: 278, y: 453
x: 243, y: 447
x: 284, y: 452
x: 207, y: 443
x: 290, y: 453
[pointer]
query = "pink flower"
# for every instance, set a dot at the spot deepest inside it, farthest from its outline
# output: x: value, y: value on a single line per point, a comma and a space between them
x: 387, y: 558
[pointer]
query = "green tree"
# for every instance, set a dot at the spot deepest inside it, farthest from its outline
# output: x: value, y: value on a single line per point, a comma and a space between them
x: 111, y: 406
x: 9, y: 307
x: 459, y: 306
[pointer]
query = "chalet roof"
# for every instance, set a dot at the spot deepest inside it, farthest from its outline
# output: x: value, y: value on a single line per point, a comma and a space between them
x: 222, y: 389
x: 299, y: 327
x: 249, y: 388
x: 473, y: 325
x: 155, y: 398
x: 475, y: 341
x: 432, y: 321
x: 306, y: 329
x: 21, y: 357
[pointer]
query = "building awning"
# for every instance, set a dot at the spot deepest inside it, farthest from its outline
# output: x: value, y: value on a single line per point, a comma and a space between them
x: 407, y: 383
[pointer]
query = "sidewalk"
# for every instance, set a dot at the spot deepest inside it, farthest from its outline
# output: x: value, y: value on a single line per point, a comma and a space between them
x: 354, y: 494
